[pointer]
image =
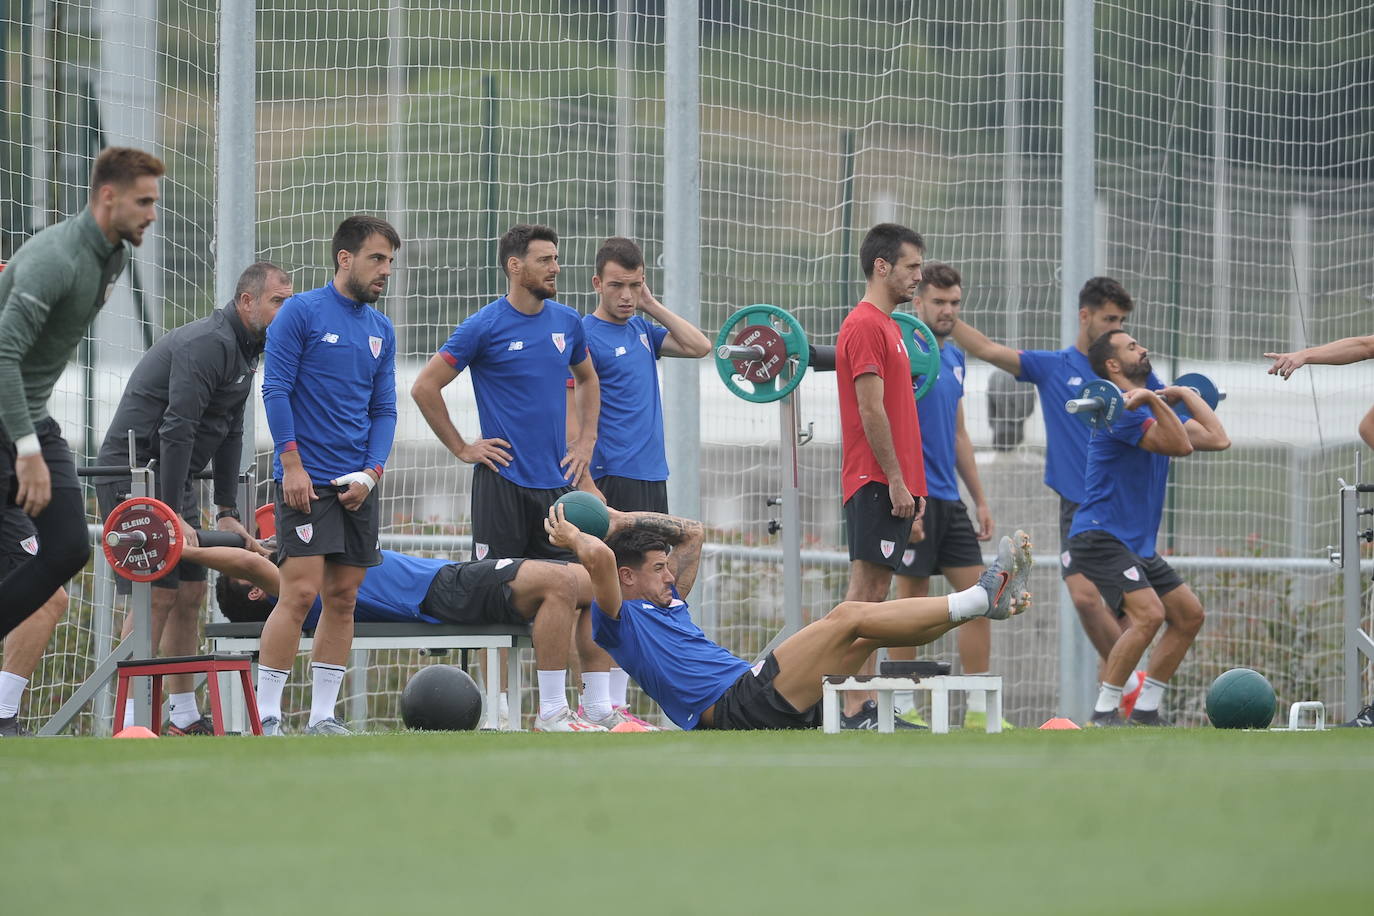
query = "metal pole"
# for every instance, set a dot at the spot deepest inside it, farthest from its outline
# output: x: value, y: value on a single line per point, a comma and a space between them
x: 1077, y: 661
x: 236, y: 212
x: 791, y: 517
x: 682, y: 249
x: 396, y: 210
x: 1354, y: 591
x: 624, y: 121
x: 1221, y: 212
x: 1012, y: 233
x: 39, y: 87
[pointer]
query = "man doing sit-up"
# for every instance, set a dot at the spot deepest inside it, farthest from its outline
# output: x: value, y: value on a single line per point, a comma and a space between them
x: 641, y: 575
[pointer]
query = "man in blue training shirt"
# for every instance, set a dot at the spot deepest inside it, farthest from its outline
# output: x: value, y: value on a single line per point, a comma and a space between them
x: 945, y: 541
x: 1113, y: 533
x: 329, y: 390
x: 629, y: 465
x: 1058, y: 375
x: 640, y: 616
x: 520, y: 349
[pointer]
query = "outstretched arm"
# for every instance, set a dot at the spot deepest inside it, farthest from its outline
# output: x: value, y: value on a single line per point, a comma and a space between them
x: 1337, y: 353
x: 682, y: 534
x: 977, y: 344
x: 236, y: 562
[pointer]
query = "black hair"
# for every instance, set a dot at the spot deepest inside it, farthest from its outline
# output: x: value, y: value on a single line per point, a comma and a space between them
x: 1102, y: 350
x: 1098, y: 291
x: 516, y: 242
x: 356, y: 230
x: 235, y: 604
x: 632, y: 545
x: 885, y: 241
x: 940, y: 276
x: 619, y: 250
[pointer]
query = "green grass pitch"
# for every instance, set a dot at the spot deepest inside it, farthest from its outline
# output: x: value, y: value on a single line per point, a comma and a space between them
x: 1125, y: 821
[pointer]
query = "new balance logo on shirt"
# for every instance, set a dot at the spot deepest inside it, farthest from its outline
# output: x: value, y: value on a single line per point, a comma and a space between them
x: 330, y: 338
x: 619, y: 351
x: 515, y: 345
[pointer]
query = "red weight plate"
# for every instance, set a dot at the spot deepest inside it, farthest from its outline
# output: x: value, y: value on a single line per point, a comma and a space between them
x: 160, y: 547
x: 774, y: 357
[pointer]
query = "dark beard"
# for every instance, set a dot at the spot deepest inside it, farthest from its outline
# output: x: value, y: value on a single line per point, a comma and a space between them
x: 1140, y: 373
x: 359, y: 293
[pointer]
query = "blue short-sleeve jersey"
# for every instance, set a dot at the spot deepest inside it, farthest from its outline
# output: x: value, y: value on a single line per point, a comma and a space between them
x: 392, y: 591
x: 938, y: 413
x: 1058, y: 376
x: 329, y: 384
x: 668, y: 656
x: 519, y: 367
x: 1125, y: 485
x: 630, y: 433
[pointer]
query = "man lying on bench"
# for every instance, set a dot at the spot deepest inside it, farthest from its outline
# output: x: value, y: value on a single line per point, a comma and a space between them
x: 548, y: 595
x: 640, y: 576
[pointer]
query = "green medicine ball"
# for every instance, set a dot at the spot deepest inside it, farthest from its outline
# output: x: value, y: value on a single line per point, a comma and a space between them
x: 1241, y: 698
x: 585, y: 511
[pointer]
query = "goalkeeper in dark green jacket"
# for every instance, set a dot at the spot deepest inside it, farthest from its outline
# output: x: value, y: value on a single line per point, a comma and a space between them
x: 50, y: 293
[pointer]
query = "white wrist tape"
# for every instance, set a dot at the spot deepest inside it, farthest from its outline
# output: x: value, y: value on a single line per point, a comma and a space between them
x: 28, y: 445
x: 361, y: 477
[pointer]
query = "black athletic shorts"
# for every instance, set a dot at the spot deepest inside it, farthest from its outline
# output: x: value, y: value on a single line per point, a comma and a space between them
x: 1115, y: 569
x: 950, y: 541
x: 56, y: 454
x: 111, y: 492
x: 874, y: 533
x: 752, y: 702
x: 629, y: 495
x: 508, y: 519
x: 18, y: 538
x: 348, y: 538
x: 477, y: 592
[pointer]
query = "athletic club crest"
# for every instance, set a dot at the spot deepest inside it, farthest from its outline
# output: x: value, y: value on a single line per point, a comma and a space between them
x: 644, y: 339
x: 480, y: 550
x: 887, y: 547
x: 502, y: 564
x: 908, y: 555
x: 1065, y: 559
x: 559, y: 341
x: 305, y: 533
x: 30, y: 545
x: 1133, y: 574
x: 959, y: 374
x: 376, y: 344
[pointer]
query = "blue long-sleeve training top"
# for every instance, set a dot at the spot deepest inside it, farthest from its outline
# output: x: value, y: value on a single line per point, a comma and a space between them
x: 329, y: 384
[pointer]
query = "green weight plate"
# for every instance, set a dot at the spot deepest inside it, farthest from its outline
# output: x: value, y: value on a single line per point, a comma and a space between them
x: 787, y: 378
x: 923, y: 350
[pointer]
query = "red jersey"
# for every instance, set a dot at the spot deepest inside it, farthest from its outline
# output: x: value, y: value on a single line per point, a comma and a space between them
x: 871, y: 342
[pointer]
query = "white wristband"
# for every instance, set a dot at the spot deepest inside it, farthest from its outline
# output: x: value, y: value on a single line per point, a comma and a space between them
x: 28, y: 445
x: 361, y: 477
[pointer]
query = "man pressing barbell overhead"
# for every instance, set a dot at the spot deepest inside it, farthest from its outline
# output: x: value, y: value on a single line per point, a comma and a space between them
x: 1112, y: 538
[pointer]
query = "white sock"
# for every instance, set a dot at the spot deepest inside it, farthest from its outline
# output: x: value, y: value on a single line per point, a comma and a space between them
x: 971, y: 602
x: 553, y: 692
x: 184, y: 709
x: 1151, y: 695
x: 977, y: 700
x: 11, y: 689
x: 903, y: 701
x: 596, y: 694
x: 620, y: 687
x: 271, y: 682
x: 1109, y: 698
x: 324, y: 692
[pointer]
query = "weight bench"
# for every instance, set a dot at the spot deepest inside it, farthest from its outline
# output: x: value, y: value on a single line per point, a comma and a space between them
x: 247, y: 637
x: 939, y: 686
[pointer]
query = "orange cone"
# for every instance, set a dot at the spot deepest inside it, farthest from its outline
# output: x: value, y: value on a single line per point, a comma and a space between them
x: 135, y: 731
x: 1059, y: 724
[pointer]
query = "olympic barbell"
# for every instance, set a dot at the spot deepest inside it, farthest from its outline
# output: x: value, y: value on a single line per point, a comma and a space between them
x: 764, y: 347
x: 1101, y: 402
x: 142, y: 539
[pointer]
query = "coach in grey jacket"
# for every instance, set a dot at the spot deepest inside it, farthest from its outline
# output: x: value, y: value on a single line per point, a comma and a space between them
x: 185, y: 402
